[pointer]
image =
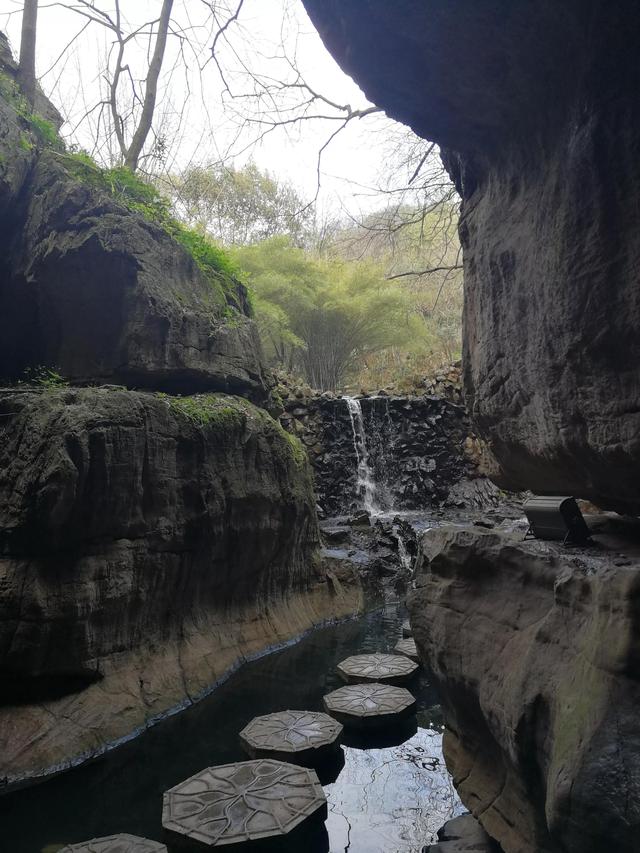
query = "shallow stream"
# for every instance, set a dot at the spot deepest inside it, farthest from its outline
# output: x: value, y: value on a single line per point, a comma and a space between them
x: 389, y: 799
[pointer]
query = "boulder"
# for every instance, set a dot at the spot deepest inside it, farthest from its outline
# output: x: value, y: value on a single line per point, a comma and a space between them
x: 535, y: 106
x: 535, y: 653
x: 147, y: 543
x: 99, y: 294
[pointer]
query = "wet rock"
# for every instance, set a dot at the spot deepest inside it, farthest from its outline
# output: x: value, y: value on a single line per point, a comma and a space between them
x: 462, y: 835
x: 420, y: 448
x: 534, y: 650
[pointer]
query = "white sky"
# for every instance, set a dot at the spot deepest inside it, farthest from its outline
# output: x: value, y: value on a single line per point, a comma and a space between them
x: 210, y: 124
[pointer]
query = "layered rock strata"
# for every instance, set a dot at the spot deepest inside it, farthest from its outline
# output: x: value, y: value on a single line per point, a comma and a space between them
x: 147, y: 544
x: 535, y: 105
x: 535, y: 653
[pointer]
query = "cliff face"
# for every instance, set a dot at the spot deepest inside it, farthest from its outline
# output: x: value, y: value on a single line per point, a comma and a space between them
x: 148, y: 543
x: 536, y: 654
x: 535, y: 105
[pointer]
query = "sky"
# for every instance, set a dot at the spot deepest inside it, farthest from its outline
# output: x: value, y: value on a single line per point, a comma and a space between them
x: 207, y: 112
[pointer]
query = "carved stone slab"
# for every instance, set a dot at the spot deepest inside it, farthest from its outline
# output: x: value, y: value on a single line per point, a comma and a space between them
x: 299, y: 736
x: 407, y: 647
x: 245, y: 801
x: 370, y: 705
x: 388, y: 669
x: 406, y: 629
x: 116, y: 844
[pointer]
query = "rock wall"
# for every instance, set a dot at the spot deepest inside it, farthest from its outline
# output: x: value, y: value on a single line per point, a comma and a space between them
x: 419, y: 448
x: 146, y: 544
x: 535, y: 105
x: 535, y: 653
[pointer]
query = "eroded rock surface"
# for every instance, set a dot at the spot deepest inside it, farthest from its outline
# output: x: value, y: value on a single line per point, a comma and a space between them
x: 147, y: 543
x: 535, y: 105
x: 102, y: 295
x: 535, y: 652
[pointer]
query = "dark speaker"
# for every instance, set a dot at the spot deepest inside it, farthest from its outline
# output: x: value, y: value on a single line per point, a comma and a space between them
x: 556, y: 518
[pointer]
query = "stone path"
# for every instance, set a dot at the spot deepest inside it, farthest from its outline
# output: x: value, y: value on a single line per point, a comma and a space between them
x: 406, y: 629
x: 370, y: 705
x: 116, y: 844
x: 387, y: 669
x: 408, y: 648
x: 245, y: 801
x: 299, y: 736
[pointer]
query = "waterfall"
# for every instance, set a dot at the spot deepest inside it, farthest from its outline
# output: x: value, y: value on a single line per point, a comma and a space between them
x: 366, y: 484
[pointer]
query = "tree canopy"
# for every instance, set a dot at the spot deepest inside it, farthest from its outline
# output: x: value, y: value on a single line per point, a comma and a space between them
x: 321, y: 316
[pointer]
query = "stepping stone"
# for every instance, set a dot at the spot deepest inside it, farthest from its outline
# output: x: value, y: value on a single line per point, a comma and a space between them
x: 388, y: 669
x: 116, y: 844
x: 245, y: 801
x: 406, y: 629
x: 408, y: 648
x: 304, y: 737
x: 370, y: 705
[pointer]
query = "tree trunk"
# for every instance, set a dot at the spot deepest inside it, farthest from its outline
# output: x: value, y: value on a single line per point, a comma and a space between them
x: 27, y: 65
x: 151, y: 93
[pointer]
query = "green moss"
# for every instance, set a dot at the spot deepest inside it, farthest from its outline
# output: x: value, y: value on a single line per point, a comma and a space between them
x: 204, y: 410
x: 297, y: 448
x: 41, y: 129
x: 143, y: 198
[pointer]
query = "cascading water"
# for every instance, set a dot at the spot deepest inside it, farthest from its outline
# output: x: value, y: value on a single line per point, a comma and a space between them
x: 366, y: 484
x: 373, y: 495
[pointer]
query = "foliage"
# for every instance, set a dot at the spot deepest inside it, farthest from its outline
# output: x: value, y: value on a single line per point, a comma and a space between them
x: 41, y: 129
x: 320, y: 316
x: 420, y: 253
x: 207, y: 410
x: 138, y: 195
x: 44, y: 377
x: 239, y: 206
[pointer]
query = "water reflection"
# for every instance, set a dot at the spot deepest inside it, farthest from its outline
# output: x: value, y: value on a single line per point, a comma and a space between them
x: 390, y: 797
x: 391, y: 800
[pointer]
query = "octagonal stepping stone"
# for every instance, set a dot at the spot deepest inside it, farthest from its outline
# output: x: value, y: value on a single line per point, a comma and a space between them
x: 116, y: 844
x: 406, y: 629
x: 408, y: 648
x: 370, y: 705
x: 304, y: 737
x: 242, y: 802
x: 387, y: 669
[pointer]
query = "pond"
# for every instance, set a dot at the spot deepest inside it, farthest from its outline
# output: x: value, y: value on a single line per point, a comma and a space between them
x: 386, y: 798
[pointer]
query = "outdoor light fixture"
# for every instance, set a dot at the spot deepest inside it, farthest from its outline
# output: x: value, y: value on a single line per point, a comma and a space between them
x: 557, y: 518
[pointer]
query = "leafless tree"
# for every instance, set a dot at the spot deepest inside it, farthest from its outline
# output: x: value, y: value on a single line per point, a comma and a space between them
x: 27, y: 64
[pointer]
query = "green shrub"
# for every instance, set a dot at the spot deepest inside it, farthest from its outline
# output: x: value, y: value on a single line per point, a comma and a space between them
x: 143, y: 198
x: 43, y: 377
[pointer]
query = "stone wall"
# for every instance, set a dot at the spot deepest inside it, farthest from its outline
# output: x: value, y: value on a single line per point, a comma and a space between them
x: 419, y: 448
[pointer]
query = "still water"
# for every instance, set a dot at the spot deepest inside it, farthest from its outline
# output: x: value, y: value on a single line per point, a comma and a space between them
x: 387, y: 798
